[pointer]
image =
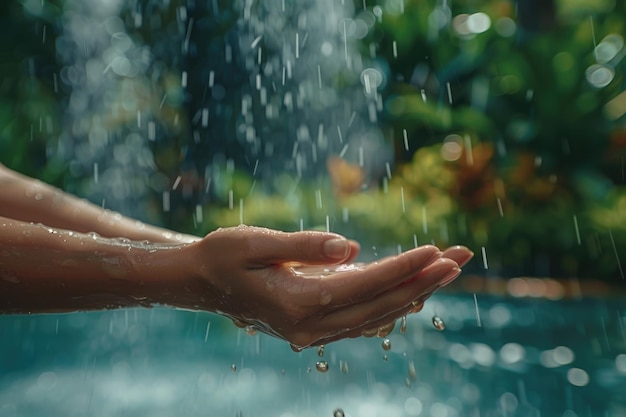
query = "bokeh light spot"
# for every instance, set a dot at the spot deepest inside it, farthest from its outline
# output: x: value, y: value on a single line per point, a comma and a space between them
x: 578, y: 377
x: 599, y: 75
x: 478, y: 22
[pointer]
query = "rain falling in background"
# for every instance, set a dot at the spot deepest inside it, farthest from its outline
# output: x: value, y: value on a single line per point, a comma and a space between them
x: 169, y: 108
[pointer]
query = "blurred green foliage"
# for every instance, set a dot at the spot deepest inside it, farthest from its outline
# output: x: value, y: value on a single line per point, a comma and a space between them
x: 29, y: 104
x: 507, y: 120
x: 516, y: 137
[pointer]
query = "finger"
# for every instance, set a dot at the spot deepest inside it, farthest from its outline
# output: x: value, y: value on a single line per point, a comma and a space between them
x: 309, y: 247
x: 376, y: 278
x: 417, y: 306
x: 390, y: 303
x: 460, y: 254
x: 386, y: 329
x: 355, y: 249
x: 382, y: 331
x: 368, y: 331
x: 371, y: 329
x: 239, y: 324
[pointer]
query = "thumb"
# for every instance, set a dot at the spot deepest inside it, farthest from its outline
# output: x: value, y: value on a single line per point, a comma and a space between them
x: 309, y: 247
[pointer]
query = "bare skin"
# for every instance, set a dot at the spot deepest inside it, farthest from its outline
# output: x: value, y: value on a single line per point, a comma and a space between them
x: 29, y: 200
x: 249, y: 274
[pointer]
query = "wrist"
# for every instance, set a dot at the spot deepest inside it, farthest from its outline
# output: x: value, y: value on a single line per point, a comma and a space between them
x: 169, y: 275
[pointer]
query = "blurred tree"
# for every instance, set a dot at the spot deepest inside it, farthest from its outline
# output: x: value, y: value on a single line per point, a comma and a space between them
x: 30, y: 87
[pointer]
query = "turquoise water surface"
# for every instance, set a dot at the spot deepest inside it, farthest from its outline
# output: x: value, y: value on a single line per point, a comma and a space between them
x: 516, y: 357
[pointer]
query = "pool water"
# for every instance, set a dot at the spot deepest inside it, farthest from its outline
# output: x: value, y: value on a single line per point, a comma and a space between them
x: 512, y: 357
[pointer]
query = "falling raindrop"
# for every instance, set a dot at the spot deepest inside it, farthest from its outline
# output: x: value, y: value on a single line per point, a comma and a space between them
x: 478, y: 321
x: 320, y: 350
x: 385, y: 357
x: 338, y: 412
x: 206, y: 334
x: 233, y: 367
x: 500, y: 209
x: 321, y: 366
x: 412, y: 373
x: 438, y: 323
x: 577, y: 230
x: 386, y: 344
x: 619, y: 263
x: 484, y: 253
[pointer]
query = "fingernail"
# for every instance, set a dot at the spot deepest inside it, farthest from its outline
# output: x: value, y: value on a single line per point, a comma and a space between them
x: 336, y: 248
x: 468, y: 255
x: 450, y: 277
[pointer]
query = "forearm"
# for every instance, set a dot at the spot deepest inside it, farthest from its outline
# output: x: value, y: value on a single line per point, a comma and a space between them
x: 25, y: 199
x: 49, y: 270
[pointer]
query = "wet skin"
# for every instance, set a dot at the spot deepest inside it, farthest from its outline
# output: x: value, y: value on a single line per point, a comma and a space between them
x: 250, y: 274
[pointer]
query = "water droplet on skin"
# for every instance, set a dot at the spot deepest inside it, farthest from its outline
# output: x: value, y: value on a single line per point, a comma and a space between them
x: 320, y: 350
x: 322, y: 366
x: 296, y: 348
x: 233, y: 367
x: 338, y: 412
x: 386, y: 344
x: 251, y: 330
x: 325, y: 298
x: 438, y: 323
x: 403, y: 325
x: 383, y: 331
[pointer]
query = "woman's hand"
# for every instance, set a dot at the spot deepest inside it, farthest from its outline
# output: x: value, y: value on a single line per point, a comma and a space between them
x: 459, y: 254
x: 255, y: 276
x: 252, y: 275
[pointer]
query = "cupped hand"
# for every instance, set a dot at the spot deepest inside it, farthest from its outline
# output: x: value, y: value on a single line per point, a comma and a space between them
x: 254, y: 276
x: 459, y: 254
